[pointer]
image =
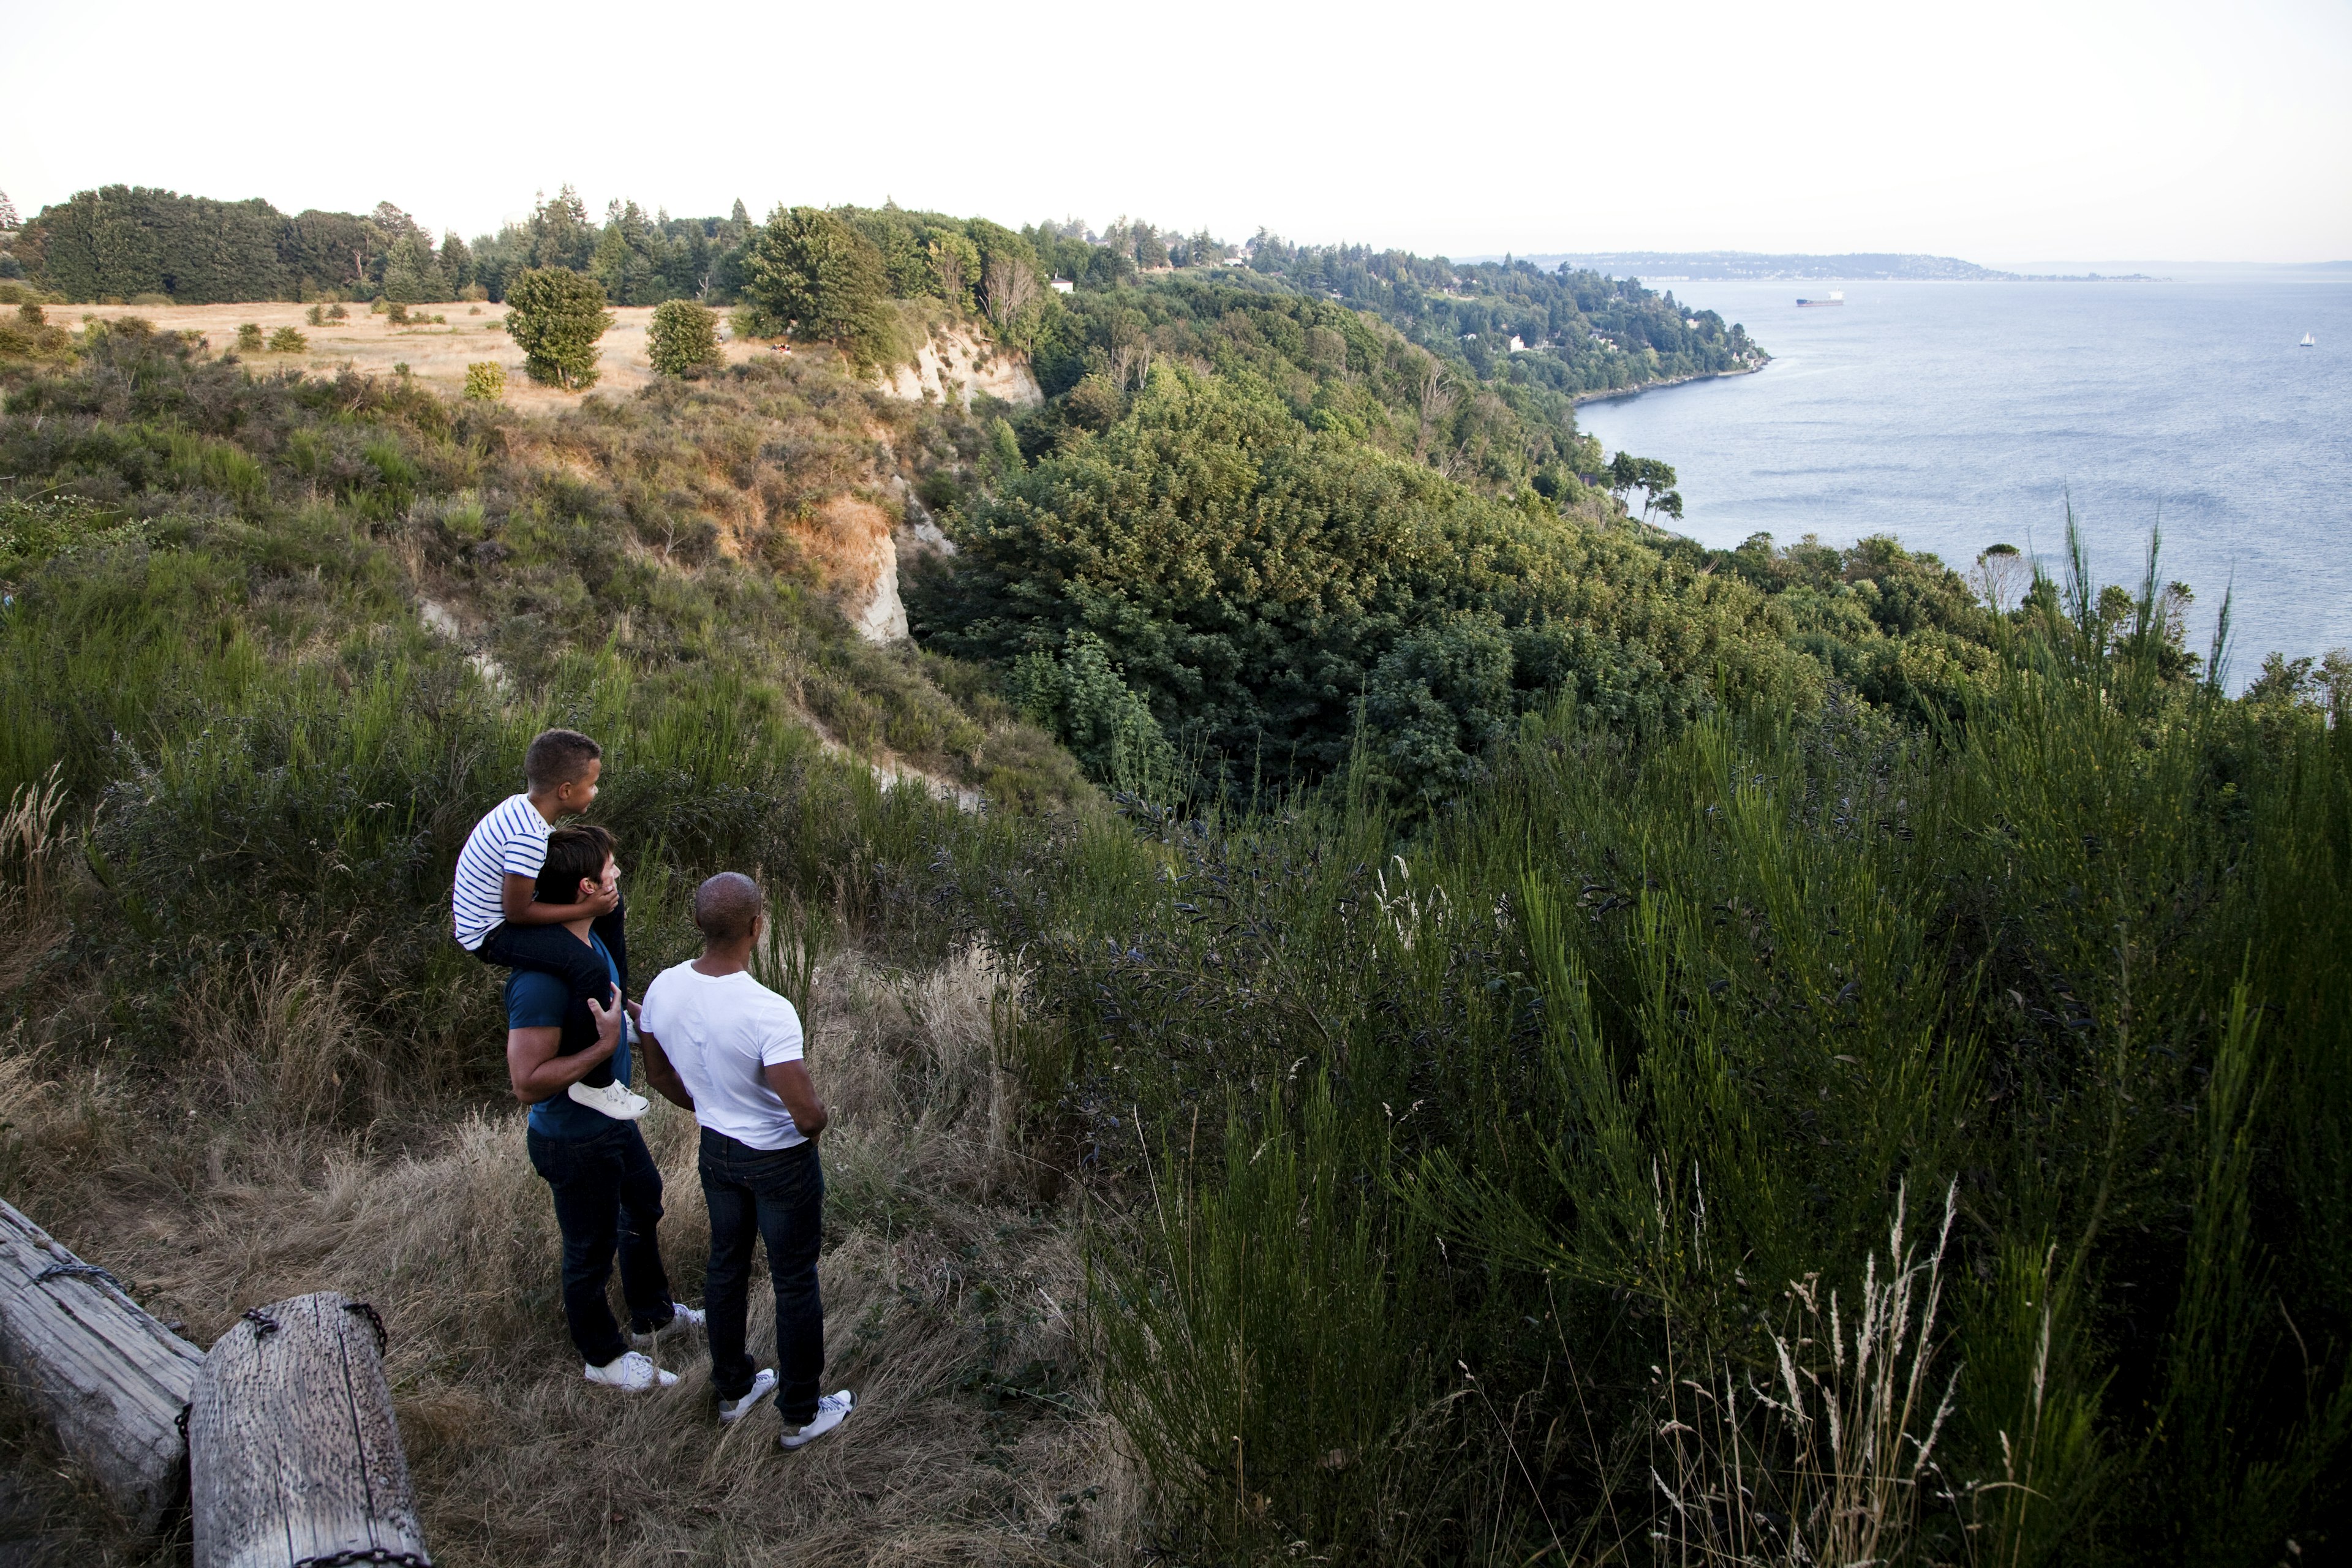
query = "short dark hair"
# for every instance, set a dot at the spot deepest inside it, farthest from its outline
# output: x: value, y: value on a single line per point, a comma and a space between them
x: 572, y: 853
x: 726, y: 906
x: 558, y: 757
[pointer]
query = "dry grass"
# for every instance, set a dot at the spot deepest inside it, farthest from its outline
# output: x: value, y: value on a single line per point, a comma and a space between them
x: 437, y: 354
x: 1831, y: 1460
x: 951, y: 1289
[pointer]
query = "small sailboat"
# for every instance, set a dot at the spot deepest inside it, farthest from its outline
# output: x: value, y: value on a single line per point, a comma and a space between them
x: 2308, y: 342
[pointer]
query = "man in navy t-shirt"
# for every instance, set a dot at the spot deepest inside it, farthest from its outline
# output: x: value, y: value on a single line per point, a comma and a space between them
x: 606, y: 1188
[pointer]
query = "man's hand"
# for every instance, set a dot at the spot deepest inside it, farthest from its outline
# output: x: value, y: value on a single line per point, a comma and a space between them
x: 537, y: 1073
x: 518, y: 901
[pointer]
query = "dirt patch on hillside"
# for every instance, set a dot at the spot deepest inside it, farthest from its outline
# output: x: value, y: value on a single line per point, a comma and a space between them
x: 957, y: 366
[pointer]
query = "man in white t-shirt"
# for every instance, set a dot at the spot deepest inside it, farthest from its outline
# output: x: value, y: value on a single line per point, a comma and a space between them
x: 722, y: 1045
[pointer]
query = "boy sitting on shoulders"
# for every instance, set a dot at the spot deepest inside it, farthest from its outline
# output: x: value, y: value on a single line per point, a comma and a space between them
x: 500, y: 919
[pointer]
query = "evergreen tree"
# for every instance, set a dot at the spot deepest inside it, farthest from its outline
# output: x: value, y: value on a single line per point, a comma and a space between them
x: 456, y: 264
x: 560, y: 234
x: 683, y: 336
x: 557, y: 315
x: 812, y: 275
x: 412, y: 274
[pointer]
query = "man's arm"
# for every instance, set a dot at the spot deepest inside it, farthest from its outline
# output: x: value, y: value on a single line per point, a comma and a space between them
x: 661, y: 1075
x: 535, y: 1070
x: 518, y: 901
x: 790, y: 1082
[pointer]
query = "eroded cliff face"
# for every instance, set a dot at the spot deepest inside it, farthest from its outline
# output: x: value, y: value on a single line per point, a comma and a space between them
x: 958, y: 364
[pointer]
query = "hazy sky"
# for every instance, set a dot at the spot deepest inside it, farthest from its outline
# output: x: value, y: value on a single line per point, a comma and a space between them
x: 1997, y: 132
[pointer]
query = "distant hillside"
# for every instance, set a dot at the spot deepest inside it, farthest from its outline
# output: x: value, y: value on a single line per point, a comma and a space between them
x: 1674, y: 265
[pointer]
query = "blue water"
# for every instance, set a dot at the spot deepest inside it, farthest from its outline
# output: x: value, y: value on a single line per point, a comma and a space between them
x: 1960, y: 415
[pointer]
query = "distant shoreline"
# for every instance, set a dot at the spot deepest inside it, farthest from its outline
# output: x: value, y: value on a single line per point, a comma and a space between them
x: 1755, y: 266
x: 1610, y: 393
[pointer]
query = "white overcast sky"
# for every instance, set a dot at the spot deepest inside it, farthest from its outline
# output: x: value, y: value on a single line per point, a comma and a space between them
x: 1998, y: 131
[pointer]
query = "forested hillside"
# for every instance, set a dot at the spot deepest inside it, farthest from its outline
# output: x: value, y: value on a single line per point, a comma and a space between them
x: 1384, y: 1008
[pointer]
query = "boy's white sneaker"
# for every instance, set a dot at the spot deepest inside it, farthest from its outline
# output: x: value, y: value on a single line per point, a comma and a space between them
x: 630, y: 1373
x: 682, y: 1318
x: 611, y: 1100
x: 831, y: 1412
x: 763, y: 1384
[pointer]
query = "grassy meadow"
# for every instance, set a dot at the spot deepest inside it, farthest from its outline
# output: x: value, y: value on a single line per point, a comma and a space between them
x: 1820, y: 1130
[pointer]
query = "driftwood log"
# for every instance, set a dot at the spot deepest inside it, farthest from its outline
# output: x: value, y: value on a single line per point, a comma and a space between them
x: 108, y: 1378
x: 293, y: 1455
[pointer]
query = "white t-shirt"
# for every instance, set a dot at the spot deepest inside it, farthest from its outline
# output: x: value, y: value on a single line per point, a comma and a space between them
x: 721, y: 1033
x: 511, y: 839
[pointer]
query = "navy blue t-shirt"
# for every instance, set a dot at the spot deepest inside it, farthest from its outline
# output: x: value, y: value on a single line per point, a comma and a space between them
x: 537, y: 1001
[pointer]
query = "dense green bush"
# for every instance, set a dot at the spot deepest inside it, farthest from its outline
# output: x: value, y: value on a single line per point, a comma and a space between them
x: 486, y: 380
x: 288, y: 341
x: 249, y: 338
x: 557, y: 317
x: 683, y: 336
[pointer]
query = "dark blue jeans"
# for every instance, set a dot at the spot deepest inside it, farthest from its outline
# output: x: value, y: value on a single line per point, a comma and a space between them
x: 776, y: 1196
x: 551, y: 950
x: 608, y: 1196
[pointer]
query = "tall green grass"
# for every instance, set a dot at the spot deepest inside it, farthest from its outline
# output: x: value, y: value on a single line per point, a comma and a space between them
x: 1641, y: 1041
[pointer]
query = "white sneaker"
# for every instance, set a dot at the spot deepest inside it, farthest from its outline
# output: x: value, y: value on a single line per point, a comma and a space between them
x: 733, y: 1410
x: 611, y: 1100
x: 831, y: 1412
x: 630, y: 1373
x: 682, y: 1318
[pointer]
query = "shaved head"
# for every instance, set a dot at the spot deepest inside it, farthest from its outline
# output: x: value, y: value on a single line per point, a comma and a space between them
x: 725, y: 907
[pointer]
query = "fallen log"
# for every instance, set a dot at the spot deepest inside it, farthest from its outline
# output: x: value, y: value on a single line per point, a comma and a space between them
x: 293, y: 1454
x: 109, y: 1379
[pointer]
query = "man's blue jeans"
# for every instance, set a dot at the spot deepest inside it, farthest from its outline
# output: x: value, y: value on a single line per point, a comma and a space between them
x: 776, y: 1196
x: 608, y: 1196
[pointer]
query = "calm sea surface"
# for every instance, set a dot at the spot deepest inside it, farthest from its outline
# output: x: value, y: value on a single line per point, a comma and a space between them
x: 1956, y: 416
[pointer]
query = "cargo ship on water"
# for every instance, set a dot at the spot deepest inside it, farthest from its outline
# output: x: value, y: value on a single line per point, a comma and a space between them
x: 1837, y: 297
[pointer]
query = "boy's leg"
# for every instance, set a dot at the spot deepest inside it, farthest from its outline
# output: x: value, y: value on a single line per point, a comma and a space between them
x: 727, y: 1281
x: 613, y: 930
x: 645, y: 1284
x: 583, y: 1174
x: 791, y: 1187
x: 551, y: 950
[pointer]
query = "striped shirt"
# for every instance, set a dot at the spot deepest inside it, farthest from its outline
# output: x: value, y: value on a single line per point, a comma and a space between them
x: 510, y: 841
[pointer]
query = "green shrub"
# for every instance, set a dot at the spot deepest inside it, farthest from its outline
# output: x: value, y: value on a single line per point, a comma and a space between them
x: 684, y: 337
x: 335, y: 311
x: 315, y: 315
x: 486, y: 380
x: 249, y: 340
x: 557, y: 316
x: 288, y: 341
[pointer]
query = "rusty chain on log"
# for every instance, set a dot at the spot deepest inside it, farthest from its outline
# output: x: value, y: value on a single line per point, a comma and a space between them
x: 375, y: 1321
x: 345, y: 1559
x: 80, y: 1271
